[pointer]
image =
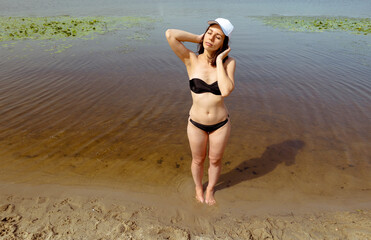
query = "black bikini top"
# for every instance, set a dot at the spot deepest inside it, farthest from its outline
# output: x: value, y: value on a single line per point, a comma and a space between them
x: 199, y: 86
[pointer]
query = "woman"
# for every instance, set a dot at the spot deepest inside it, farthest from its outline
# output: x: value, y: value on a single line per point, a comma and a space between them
x: 211, y: 75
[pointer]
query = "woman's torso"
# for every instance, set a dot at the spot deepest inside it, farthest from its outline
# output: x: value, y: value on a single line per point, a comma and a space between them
x: 207, y: 108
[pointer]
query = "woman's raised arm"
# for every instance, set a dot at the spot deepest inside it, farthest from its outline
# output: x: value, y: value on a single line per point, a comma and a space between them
x: 225, y: 73
x: 175, y: 38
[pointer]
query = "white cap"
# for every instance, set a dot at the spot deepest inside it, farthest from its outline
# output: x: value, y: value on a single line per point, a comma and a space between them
x: 225, y: 24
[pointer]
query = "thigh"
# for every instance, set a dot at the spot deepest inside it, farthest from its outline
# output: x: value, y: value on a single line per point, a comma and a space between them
x: 197, y: 141
x: 218, y: 141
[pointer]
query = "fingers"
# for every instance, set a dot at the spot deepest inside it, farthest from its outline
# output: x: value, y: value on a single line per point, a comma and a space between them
x: 200, y: 37
x: 224, y: 53
x: 227, y: 50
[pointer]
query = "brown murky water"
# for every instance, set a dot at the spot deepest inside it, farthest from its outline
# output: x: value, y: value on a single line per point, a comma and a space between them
x: 113, y: 112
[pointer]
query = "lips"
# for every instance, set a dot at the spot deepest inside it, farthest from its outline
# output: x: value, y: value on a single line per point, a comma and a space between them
x: 208, y: 44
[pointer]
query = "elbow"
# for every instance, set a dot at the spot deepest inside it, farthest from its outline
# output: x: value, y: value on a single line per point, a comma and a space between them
x: 227, y: 92
x: 168, y: 33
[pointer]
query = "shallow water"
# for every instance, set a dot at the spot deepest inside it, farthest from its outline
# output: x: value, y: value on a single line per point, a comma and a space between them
x: 113, y: 110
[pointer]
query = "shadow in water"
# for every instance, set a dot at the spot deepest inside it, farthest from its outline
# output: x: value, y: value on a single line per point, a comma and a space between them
x: 275, y: 154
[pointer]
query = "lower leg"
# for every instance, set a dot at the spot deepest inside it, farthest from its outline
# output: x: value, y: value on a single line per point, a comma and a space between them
x: 214, y: 173
x: 197, y: 169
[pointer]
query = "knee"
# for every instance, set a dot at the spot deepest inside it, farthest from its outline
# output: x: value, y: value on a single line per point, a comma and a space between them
x: 215, y: 160
x: 198, y: 160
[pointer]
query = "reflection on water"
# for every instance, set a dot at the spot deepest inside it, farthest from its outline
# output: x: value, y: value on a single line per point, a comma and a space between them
x: 98, y: 115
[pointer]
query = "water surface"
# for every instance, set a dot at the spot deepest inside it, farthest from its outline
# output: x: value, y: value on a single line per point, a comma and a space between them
x: 113, y: 110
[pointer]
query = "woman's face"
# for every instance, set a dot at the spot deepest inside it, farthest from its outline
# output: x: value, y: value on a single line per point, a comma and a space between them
x: 213, y: 38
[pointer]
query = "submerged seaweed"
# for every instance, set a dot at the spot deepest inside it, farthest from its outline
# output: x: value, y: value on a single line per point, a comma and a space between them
x: 57, y: 34
x: 319, y: 24
x: 20, y: 28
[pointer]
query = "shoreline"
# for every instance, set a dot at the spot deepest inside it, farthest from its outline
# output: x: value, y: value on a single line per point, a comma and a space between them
x: 94, y: 146
x: 60, y: 212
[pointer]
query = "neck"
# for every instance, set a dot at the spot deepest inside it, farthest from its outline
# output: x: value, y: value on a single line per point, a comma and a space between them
x: 208, y: 55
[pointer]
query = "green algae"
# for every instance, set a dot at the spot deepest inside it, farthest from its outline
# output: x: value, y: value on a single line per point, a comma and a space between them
x: 319, y: 24
x: 60, y: 27
x: 56, y: 34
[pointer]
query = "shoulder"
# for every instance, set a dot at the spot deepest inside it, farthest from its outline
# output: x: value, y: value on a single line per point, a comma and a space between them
x: 230, y: 62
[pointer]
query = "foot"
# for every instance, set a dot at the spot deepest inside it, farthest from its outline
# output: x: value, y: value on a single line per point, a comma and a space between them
x: 210, y: 200
x: 200, y: 194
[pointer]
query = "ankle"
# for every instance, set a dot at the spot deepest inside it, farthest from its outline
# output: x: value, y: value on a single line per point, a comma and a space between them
x: 199, y: 188
x: 210, y: 189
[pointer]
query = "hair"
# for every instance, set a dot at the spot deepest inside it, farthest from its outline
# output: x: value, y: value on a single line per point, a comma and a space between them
x: 224, y: 47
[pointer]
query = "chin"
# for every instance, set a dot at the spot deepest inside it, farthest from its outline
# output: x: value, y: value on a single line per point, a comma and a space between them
x: 209, y: 48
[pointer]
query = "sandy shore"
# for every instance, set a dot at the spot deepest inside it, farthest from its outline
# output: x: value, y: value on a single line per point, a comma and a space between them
x: 62, y: 212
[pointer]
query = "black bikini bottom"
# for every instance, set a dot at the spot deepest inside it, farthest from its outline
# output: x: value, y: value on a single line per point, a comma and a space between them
x: 209, y: 128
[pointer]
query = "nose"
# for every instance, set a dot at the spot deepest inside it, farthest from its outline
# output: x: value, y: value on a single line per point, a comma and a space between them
x: 212, y: 38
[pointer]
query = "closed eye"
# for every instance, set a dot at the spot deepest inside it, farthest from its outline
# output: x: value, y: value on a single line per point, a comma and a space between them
x: 218, y: 36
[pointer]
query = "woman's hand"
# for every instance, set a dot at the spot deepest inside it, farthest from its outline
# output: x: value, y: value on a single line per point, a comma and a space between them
x: 200, y: 37
x: 222, y: 55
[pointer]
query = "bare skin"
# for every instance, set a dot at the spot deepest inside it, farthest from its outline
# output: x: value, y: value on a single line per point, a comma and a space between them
x: 207, y: 108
